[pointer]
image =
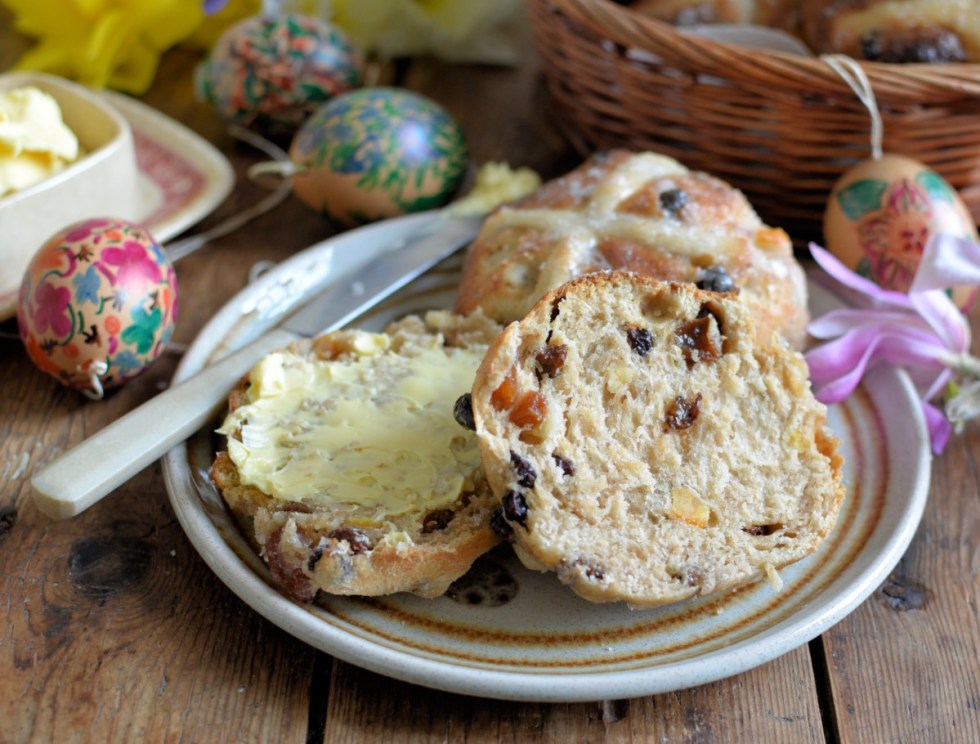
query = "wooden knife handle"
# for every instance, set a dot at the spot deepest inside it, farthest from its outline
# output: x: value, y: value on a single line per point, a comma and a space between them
x: 93, y: 468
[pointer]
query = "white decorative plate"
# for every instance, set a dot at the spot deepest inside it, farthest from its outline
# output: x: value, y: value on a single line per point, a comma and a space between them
x: 514, y: 634
x: 182, y: 176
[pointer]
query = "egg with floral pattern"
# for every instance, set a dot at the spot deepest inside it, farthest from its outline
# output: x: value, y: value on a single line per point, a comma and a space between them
x: 270, y: 73
x: 881, y: 214
x: 375, y: 153
x: 97, y: 304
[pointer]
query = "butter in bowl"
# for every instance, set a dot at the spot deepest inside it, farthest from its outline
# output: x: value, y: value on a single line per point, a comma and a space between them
x: 54, y: 173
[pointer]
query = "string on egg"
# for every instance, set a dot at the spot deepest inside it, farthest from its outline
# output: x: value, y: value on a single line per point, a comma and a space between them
x: 882, y: 212
x: 96, y: 371
x: 854, y: 75
x: 118, y: 278
x: 181, y: 248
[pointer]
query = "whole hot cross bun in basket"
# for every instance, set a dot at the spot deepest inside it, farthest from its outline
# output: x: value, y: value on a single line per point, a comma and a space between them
x: 895, y: 30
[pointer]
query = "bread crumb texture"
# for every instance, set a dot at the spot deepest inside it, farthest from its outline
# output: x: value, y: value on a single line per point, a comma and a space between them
x: 646, y: 447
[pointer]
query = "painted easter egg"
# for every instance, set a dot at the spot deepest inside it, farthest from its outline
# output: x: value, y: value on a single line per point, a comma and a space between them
x: 882, y: 213
x: 376, y: 153
x: 97, y: 304
x: 270, y: 73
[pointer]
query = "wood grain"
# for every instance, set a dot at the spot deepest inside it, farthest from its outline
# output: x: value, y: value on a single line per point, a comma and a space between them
x: 112, y: 625
x: 113, y: 629
x: 772, y: 703
x: 912, y: 649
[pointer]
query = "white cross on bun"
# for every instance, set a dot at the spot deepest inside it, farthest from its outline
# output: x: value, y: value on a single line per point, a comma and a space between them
x: 641, y: 212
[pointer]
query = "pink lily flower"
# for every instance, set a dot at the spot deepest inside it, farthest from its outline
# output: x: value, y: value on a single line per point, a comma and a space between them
x: 922, y: 331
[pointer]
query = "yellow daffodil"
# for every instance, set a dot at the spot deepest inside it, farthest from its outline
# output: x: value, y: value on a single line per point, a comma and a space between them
x: 103, y: 43
x: 470, y: 31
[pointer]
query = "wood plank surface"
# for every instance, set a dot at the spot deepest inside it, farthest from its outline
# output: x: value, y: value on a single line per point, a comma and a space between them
x: 913, y: 649
x: 772, y: 703
x: 113, y: 629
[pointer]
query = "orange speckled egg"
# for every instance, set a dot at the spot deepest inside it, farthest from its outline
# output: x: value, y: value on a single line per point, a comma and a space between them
x: 97, y: 304
x: 882, y: 213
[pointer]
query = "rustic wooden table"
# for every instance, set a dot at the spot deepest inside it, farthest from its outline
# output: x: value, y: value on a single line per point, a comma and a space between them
x: 113, y: 629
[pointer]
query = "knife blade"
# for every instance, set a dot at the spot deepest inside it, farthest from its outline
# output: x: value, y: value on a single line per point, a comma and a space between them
x: 92, y: 469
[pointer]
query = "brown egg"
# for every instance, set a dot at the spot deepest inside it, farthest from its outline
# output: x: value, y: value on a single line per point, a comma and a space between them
x: 881, y: 214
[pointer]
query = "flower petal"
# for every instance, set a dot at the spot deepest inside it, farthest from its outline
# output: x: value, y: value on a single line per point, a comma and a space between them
x: 837, y: 367
x: 949, y: 324
x: 838, y: 322
x: 937, y: 385
x: 966, y: 403
x: 947, y: 261
x: 939, y: 428
x: 913, y: 345
x: 832, y: 265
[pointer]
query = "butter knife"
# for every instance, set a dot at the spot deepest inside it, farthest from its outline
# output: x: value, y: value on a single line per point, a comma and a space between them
x: 106, y: 460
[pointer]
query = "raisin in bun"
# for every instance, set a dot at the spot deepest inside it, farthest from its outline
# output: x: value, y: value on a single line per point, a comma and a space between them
x: 346, y: 468
x: 638, y: 212
x: 646, y: 448
x: 895, y: 30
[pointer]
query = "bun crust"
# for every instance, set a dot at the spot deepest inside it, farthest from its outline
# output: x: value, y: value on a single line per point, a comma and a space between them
x: 635, y: 212
x: 895, y: 30
x: 357, y: 549
x: 646, y: 448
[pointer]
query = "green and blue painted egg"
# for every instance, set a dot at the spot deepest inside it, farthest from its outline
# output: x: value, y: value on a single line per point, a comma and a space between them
x: 378, y: 152
x: 270, y: 73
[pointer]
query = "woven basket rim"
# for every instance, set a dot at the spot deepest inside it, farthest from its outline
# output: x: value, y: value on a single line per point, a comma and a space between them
x: 893, y: 83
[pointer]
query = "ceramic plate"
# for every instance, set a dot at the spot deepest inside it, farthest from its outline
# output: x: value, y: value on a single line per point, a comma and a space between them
x: 510, y: 633
x: 182, y: 176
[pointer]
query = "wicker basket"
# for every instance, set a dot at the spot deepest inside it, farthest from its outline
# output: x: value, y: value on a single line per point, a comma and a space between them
x: 780, y: 127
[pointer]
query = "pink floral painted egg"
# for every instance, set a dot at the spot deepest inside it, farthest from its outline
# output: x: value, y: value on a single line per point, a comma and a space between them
x: 97, y: 304
x: 882, y: 213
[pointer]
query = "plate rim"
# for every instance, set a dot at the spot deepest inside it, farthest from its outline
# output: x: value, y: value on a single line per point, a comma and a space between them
x: 209, y: 160
x: 530, y: 685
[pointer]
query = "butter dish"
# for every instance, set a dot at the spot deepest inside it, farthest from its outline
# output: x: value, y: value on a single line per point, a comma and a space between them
x: 103, y: 181
x: 180, y: 177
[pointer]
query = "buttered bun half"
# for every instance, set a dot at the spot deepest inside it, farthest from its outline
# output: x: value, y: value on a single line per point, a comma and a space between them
x: 346, y: 468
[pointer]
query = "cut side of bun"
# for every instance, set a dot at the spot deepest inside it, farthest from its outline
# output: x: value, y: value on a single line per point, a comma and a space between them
x: 647, y: 448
